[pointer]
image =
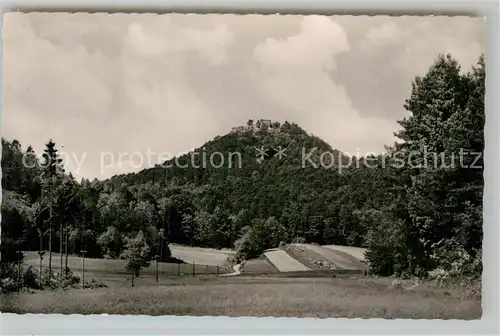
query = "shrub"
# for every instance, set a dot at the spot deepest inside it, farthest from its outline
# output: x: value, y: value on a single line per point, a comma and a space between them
x: 453, y: 261
x: 250, y: 245
x: 9, y: 277
x: 381, y: 260
x: 95, y: 284
x: 8, y: 285
x: 31, y: 278
x: 137, y: 252
x: 299, y: 240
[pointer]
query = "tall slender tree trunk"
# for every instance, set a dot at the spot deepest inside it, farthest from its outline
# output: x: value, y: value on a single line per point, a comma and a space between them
x: 66, y: 250
x: 163, y: 235
x: 41, y: 240
x: 41, y: 256
x: 168, y: 227
x: 50, y: 231
x: 161, y: 248
x: 61, y: 250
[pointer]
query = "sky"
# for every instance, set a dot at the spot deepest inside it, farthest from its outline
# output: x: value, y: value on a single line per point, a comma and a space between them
x: 108, y: 87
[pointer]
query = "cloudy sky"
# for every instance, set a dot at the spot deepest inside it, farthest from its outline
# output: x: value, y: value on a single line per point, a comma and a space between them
x: 99, y: 84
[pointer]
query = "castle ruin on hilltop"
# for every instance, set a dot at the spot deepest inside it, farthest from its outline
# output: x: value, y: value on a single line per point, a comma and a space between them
x: 261, y: 124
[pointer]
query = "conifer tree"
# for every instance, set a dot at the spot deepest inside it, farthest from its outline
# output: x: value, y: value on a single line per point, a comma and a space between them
x: 52, y: 171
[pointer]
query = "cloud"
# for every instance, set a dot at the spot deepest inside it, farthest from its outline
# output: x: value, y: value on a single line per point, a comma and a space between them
x: 421, y: 40
x: 126, y: 83
x: 388, y: 32
x: 388, y: 52
x: 313, y: 47
x: 91, y: 102
x: 294, y: 73
x: 170, y: 39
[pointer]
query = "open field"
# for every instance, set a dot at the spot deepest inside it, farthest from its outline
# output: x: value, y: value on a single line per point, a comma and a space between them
x: 311, y: 259
x: 356, y: 252
x: 259, y: 266
x: 340, y: 259
x: 261, y: 290
x: 202, y: 256
x: 300, y: 258
x: 284, y: 262
x: 259, y: 296
x: 113, y: 273
x: 75, y: 262
x: 199, y: 256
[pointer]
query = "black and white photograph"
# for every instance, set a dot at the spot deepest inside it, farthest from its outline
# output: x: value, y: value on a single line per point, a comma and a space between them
x: 242, y: 165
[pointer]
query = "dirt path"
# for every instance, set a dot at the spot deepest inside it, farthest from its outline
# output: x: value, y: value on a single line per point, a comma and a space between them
x: 236, y: 269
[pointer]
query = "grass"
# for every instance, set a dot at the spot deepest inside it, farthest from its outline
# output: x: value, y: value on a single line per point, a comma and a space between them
x: 259, y: 266
x: 309, y: 258
x: 113, y: 273
x: 259, y: 296
x: 339, y: 259
x: 284, y: 262
x: 356, y: 252
x: 261, y: 291
x: 202, y: 256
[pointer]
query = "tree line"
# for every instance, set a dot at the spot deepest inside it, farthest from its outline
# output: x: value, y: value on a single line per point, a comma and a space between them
x: 413, y: 219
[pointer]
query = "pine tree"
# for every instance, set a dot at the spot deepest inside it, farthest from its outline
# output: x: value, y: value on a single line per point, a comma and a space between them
x: 52, y: 171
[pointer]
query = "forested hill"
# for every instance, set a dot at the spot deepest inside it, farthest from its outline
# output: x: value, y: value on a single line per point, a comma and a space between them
x: 237, y: 154
x: 411, y: 217
x: 297, y: 189
x: 299, y: 199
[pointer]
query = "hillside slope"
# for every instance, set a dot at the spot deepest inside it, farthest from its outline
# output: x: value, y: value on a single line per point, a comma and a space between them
x: 249, y: 200
x: 266, y: 200
x: 294, y: 192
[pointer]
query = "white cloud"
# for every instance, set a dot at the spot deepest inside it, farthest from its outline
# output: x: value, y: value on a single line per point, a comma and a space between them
x: 50, y: 92
x: 388, y: 32
x: 423, y: 39
x: 166, y: 83
x: 169, y: 39
x: 293, y: 74
x: 93, y: 103
x: 312, y: 48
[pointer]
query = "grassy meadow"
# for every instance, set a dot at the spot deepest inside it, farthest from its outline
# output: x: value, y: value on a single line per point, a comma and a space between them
x: 260, y: 290
x: 259, y: 296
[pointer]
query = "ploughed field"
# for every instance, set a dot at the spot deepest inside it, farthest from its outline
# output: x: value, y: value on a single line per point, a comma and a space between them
x: 284, y: 262
x: 308, y: 258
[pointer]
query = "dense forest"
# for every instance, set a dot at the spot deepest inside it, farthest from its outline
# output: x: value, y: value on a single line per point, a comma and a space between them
x: 413, y: 211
